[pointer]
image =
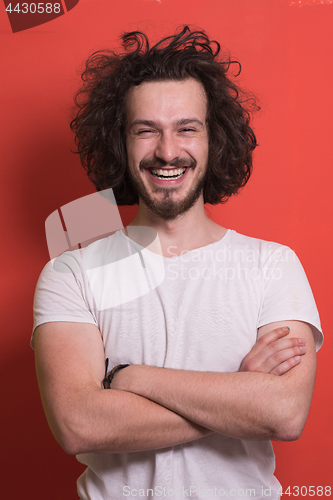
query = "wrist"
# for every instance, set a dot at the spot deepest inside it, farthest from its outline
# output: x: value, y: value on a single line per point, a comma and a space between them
x: 141, y: 380
x: 107, y: 380
x: 137, y: 379
x: 127, y: 379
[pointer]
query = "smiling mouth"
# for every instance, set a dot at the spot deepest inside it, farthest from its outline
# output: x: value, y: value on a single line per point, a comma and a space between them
x: 169, y: 174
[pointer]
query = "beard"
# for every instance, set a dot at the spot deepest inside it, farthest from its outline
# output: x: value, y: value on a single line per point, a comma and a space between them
x: 167, y: 208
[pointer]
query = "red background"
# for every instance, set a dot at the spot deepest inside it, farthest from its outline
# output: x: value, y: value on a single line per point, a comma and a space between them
x: 286, y: 54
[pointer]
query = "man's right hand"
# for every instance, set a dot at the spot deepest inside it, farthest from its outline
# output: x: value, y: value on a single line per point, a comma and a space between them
x: 272, y: 353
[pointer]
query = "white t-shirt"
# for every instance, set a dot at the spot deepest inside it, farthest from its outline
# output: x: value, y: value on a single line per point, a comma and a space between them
x: 198, y: 311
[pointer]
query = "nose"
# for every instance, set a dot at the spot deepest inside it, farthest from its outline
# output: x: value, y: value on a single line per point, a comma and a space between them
x: 167, y: 147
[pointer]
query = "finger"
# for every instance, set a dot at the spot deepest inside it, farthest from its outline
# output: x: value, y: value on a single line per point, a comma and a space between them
x: 268, y: 338
x: 281, y: 357
x: 273, y: 354
x: 272, y: 350
x: 268, y: 344
x: 286, y: 366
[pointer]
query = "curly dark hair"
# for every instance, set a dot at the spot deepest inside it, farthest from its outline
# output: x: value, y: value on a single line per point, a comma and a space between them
x: 100, y: 121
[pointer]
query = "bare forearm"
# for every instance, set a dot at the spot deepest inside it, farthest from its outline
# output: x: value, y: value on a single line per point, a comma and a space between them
x: 118, y: 421
x: 150, y: 408
x: 86, y: 418
x: 247, y: 404
x: 241, y: 405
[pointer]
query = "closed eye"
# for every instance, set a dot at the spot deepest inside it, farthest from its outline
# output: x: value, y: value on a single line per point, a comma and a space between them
x: 187, y: 130
x: 147, y: 132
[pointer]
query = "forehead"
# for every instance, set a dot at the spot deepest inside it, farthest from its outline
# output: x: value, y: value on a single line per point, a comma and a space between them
x: 167, y: 100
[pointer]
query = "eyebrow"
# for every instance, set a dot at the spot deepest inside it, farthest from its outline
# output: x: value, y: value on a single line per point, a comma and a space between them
x: 151, y: 123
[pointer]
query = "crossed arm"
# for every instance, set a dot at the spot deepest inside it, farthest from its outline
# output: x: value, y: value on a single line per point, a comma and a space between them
x: 151, y: 408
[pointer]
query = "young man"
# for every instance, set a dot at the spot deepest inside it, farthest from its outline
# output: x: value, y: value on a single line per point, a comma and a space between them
x: 220, y: 356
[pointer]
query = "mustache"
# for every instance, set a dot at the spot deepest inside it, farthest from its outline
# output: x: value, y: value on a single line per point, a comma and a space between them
x: 159, y: 163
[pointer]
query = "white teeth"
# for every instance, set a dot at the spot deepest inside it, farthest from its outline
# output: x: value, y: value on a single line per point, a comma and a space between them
x: 168, y: 173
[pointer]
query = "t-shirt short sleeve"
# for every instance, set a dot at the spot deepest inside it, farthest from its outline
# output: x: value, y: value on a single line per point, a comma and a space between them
x: 62, y: 295
x: 287, y: 293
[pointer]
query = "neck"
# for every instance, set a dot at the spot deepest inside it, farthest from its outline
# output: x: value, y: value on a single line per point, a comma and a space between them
x: 191, y: 230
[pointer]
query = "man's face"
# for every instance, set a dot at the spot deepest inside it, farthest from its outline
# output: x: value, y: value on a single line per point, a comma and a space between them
x: 167, y: 144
